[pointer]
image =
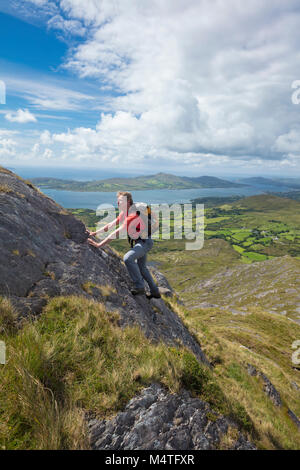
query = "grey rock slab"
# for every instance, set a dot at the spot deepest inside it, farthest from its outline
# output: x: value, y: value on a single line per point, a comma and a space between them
x: 159, y: 420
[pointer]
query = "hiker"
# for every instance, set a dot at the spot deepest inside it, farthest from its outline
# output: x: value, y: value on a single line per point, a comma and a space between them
x: 135, y: 259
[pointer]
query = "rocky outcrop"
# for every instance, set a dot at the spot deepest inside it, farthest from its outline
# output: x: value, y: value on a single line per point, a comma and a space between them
x: 158, y: 420
x: 162, y: 282
x: 272, y: 392
x: 269, y: 388
x: 44, y: 254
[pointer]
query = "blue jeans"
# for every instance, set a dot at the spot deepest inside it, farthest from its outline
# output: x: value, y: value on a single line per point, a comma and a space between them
x: 135, y: 260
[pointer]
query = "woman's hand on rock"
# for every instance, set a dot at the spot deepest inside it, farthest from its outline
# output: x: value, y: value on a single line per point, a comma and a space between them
x: 91, y: 234
x: 92, y: 242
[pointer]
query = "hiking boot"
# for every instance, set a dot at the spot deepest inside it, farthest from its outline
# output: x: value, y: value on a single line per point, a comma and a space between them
x: 153, y: 296
x: 138, y: 291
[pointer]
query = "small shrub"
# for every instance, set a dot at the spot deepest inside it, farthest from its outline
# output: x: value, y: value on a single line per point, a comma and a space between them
x: 242, y: 418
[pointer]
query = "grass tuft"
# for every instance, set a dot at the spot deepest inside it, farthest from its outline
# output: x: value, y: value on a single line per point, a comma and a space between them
x: 8, y: 317
x: 230, y: 342
x: 4, y: 188
x: 75, y: 359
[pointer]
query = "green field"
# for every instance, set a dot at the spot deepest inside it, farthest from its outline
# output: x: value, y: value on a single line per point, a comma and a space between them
x: 257, y: 228
x: 248, y: 231
x: 238, y: 296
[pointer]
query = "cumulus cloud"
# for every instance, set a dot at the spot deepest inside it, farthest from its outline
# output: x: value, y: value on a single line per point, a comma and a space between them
x: 195, y: 82
x: 21, y: 116
x: 71, y: 27
x: 7, y: 144
x: 45, y: 137
x: 203, y: 77
x: 289, y: 142
x: 48, y: 154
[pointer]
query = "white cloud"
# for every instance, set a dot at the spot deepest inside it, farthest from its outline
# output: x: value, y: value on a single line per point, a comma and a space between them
x: 32, y: 11
x: 45, y: 94
x: 45, y: 137
x: 7, y: 144
x: 195, y: 77
x: 195, y: 82
x: 48, y: 154
x: 7, y: 133
x: 90, y: 11
x: 38, y: 2
x: 21, y: 116
x: 289, y: 142
x: 72, y: 27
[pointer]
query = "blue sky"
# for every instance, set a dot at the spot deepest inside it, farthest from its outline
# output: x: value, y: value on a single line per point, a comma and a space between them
x: 194, y: 87
x: 31, y: 58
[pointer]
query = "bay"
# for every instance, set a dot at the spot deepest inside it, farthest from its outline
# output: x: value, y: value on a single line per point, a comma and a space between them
x: 91, y: 200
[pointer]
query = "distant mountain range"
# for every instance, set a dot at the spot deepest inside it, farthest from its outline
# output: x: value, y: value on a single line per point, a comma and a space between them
x: 148, y: 182
x: 292, y: 183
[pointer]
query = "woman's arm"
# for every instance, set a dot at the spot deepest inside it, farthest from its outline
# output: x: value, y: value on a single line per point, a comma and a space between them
x: 107, y: 239
x: 106, y: 227
x: 102, y: 229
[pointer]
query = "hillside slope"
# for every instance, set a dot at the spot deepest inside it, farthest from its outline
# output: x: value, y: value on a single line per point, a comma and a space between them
x: 79, y: 345
x: 245, y: 316
x: 272, y: 285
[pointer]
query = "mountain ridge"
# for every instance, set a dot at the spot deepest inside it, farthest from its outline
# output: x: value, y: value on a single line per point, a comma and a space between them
x: 147, y: 182
x: 292, y: 183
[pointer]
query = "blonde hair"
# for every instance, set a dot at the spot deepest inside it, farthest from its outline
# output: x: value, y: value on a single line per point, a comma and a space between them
x: 127, y: 195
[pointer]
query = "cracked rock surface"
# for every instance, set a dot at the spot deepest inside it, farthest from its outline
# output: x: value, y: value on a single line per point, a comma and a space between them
x: 158, y: 420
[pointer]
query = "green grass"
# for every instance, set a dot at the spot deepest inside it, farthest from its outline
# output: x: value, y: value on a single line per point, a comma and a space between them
x: 76, y: 359
x: 255, y: 256
x: 263, y: 219
x: 239, y: 249
x: 246, y: 232
x: 231, y: 342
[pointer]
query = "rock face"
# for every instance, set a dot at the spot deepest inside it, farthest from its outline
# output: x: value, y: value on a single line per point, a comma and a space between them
x: 158, y: 420
x: 162, y: 282
x: 44, y: 254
